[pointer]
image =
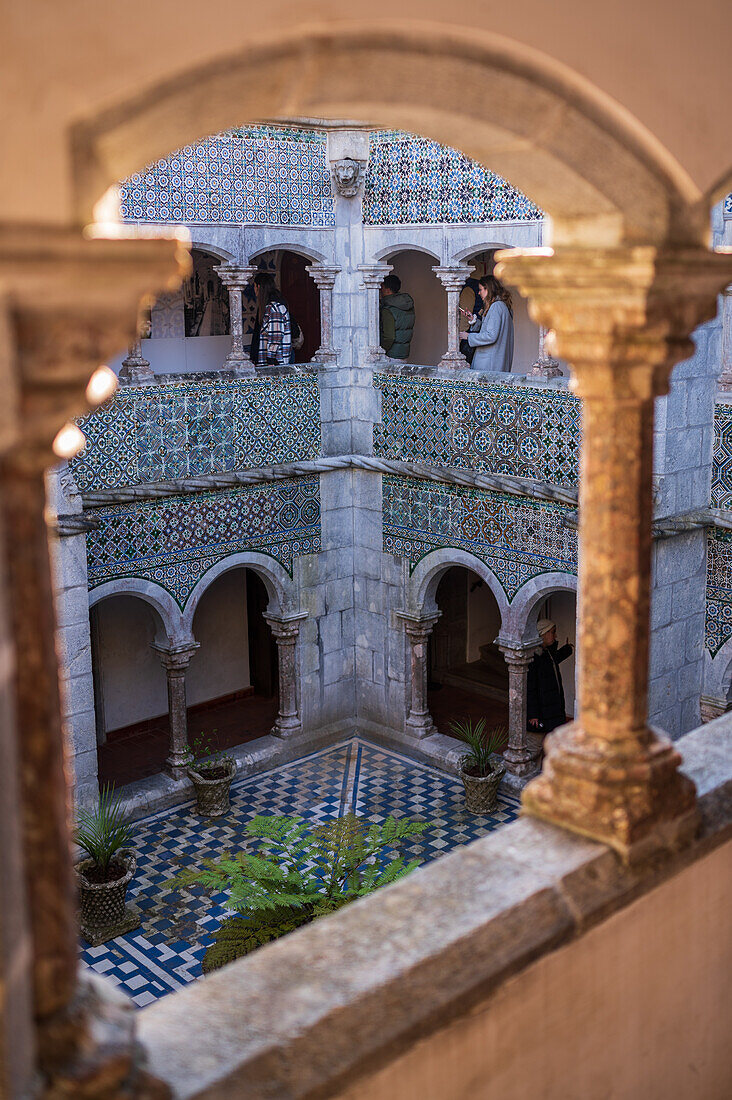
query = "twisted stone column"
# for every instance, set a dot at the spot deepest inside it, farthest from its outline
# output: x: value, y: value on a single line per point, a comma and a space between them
x: 235, y: 278
x: 324, y: 277
x: 73, y: 303
x: 725, y: 379
x: 176, y: 662
x: 419, y: 627
x: 135, y: 369
x: 517, y: 755
x: 286, y: 629
x: 622, y: 317
x: 453, y: 280
x: 372, y: 276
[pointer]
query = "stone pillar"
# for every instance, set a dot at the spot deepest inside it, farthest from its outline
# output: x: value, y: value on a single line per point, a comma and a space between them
x: 175, y: 661
x: 419, y: 722
x: 73, y: 303
x: 372, y: 276
x: 622, y: 318
x: 324, y: 277
x: 236, y: 278
x: 135, y: 369
x: 517, y: 755
x: 453, y: 280
x: 285, y: 629
x: 544, y: 366
x: 725, y: 378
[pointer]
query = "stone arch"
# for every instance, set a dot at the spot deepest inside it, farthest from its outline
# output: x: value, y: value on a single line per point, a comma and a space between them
x: 428, y: 572
x: 383, y: 254
x: 602, y: 176
x: 464, y: 254
x: 312, y: 255
x: 214, y: 250
x: 153, y: 594
x: 520, y: 622
x: 276, y: 580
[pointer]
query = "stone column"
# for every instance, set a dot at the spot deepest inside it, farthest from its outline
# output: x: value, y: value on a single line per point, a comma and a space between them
x: 419, y: 722
x: 285, y: 629
x: 372, y: 276
x: 453, y: 280
x: 236, y: 279
x: 517, y: 755
x: 136, y: 369
x: 73, y: 303
x: 725, y: 379
x: 175, y: 661
x: 544, y: 366
x: 324, y: 277
x: 622, y: 318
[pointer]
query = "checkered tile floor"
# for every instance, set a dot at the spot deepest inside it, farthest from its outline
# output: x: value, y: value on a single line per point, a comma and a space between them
x: 165, y: 952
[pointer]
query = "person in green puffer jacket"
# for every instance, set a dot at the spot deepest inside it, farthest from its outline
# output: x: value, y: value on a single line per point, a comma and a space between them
x: 396, y: 318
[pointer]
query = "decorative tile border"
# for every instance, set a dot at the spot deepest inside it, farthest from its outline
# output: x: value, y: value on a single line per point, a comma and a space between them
x: 718, y: 625
x: 412, y: 180
x: 420, y: 516
x: 481, y: 426
x: 174, y: 541
x: 722, y: 459
x: 158, y: 433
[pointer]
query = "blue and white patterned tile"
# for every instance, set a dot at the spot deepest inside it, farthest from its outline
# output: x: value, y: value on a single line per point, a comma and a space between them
x: 165, y: 953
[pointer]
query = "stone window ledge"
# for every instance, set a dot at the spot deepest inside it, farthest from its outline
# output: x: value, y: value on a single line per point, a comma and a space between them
x: 414, y: 370
x: 330, y: 1002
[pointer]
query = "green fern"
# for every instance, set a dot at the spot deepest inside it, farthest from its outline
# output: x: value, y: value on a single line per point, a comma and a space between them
x: 299, y: 872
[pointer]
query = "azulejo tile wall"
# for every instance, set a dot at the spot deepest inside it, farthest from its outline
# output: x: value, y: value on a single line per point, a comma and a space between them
x: 186, y: 429
x: 722, y: 460
x: 420, y: 516
x: 728, y: 206
x: 256, y: 175
x: 412, y: 180
x: 174, y: 541
x: 719, y: 590
x: 524, y: 431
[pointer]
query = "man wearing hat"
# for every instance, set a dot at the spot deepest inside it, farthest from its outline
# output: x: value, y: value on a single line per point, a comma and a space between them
x: 545, y: 708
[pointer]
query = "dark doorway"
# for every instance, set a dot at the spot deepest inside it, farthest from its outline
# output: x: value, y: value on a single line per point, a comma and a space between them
x: 303, y: 298
x: 263, y: 664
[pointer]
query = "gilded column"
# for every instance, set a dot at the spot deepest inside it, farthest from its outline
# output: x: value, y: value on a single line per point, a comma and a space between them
x: 235, y: 279
x: 453, y: 280
x: 517, y: 755
x: 286, y: 629
x: 372, y: 276
x: 419, y: 627
x: 324, y: 277
x: 622, y: 318
x: 175, y: 661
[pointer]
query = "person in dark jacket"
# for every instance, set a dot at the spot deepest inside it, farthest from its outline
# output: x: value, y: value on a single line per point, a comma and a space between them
x: 396, y: 318
x: 545, y: 707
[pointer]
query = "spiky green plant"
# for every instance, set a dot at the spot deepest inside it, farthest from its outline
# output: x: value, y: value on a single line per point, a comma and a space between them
x: 299, y: 872
x: 481, y: 744
x: 103, y: 831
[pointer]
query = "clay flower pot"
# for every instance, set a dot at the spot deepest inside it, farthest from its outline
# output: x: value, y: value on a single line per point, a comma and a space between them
x: 481, y: 791
x: 212, y: 787
x: 103, y: 914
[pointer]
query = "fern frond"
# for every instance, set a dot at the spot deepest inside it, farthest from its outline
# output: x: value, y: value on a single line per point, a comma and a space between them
x: 237, y: 937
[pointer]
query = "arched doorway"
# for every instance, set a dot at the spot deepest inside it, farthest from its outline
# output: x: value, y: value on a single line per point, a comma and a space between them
x: 467, y: 674
x: 429, y: 339
x: 300, y: 292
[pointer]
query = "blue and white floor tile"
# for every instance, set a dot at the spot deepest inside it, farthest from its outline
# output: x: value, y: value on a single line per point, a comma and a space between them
x: 165, y: 952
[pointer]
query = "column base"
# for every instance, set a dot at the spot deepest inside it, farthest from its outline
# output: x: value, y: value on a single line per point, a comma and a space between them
x: 453, y: 360
x: 327, y: 356
x: 419, y: 728
x: 519, y: 762
x: 636, y: 801
x: 175, y: 770
x: 285, y: 727
x: 545, y: 369
x: 133, y: 375
x: 242, y: 368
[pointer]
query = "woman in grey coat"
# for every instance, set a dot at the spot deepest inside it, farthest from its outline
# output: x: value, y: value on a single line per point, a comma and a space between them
x: 491, y: 332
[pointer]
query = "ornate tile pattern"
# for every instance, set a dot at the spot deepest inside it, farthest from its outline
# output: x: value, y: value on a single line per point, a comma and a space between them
x: 174, y: 541
x: 165, y: 952
x: 722, y: 459
x: 483, y: 426
x: 256, y: 175
x: 718, y: 627
x: 728, y: 206
x: 412, y: 180
x: 185, y: 429
x: 420, y: 516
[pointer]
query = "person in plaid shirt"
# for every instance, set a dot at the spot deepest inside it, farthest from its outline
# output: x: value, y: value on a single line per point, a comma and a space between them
x: 275, y: 338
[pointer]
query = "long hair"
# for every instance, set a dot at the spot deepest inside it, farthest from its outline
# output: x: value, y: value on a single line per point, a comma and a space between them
x: 265, y: 283
x: 496, y: 291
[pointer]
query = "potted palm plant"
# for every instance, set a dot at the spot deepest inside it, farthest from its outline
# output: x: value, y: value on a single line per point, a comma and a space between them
x: 212, y: 773
x: 103, y: 877
x: 480, y: 772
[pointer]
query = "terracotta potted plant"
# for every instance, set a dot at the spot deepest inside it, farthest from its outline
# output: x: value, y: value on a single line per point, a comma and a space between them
x: 480, y: 772
x: 212, y: 773
x: 103, y: 877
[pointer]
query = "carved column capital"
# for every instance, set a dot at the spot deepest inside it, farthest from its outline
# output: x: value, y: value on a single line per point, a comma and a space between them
x: 453, y: 276
x: 519, y: 656
x: 176, y: 660
x: 373, y: 275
